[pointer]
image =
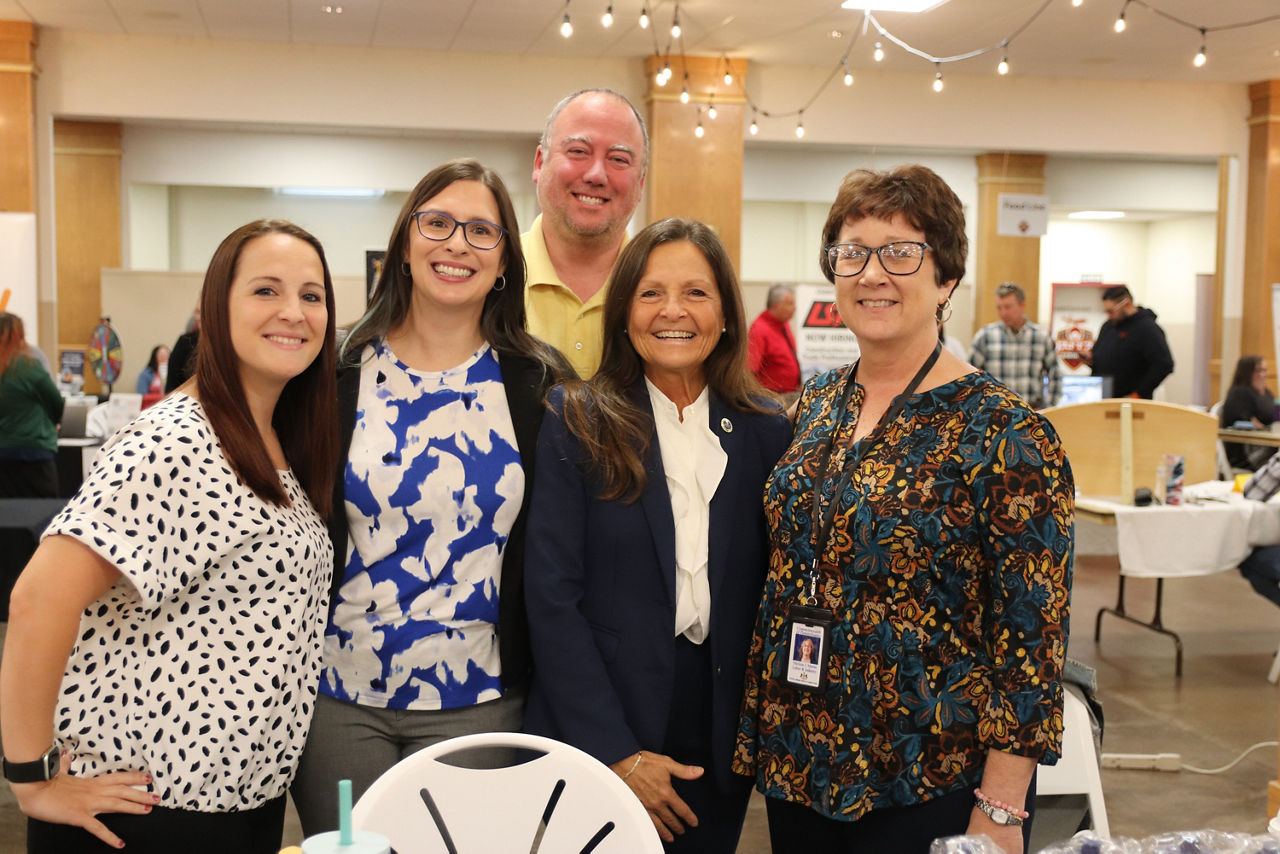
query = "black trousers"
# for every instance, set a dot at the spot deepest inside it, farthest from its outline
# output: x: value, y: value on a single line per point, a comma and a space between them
x: 28, y: 478
x: 720, y: 813
x: 164, y: 831
x: 901, y: 830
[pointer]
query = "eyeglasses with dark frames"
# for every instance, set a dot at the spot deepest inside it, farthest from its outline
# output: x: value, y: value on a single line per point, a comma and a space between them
x: 479, y: 233
x: 899, y: 258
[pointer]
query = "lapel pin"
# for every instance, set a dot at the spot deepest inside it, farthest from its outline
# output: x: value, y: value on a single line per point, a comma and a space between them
x: 726, y: 425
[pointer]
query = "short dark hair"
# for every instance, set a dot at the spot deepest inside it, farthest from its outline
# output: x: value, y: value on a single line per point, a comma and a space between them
x: 1117, y: 293
x: 306, y: 415
x: 1008, y: 289
x: 917, y: 193
x: 601, y: 413
x: 502, y: 318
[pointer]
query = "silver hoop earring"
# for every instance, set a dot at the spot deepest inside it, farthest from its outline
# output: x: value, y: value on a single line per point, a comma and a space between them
x: 500, y: 283
x: 943, y: 313
x: 404, y: 268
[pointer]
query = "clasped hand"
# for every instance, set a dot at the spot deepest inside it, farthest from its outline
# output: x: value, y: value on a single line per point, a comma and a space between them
x: 78, y: 800
x: 651, y: 781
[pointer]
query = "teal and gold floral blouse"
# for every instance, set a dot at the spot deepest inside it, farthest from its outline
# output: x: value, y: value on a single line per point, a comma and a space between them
x: 948, y: 572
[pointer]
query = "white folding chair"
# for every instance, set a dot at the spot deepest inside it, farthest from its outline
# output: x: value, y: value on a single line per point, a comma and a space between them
x: 1077, y: 771
x: 561, y: 800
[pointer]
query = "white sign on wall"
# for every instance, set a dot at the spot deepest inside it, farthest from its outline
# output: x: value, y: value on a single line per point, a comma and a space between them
x: 1022, y: 215
x: 823, y: 341
x: 18, y: 260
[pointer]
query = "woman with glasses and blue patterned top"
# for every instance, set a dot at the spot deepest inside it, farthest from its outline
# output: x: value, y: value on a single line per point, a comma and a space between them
x: 441, y: 395
x: 921, y: 526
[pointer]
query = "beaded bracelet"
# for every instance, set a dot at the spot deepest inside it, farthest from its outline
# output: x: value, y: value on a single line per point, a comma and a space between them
x: 992, y: 802
x: 639, y: 756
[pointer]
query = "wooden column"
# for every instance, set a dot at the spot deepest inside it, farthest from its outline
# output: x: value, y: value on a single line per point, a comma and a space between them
x: 1262, y: 219
x: 17, y: 117
x: 995, y: 258
x: 86, y: 184
x: 690, y: 176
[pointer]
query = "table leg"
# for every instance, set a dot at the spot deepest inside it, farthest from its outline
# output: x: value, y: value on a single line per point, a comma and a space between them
x: 1156, y: 624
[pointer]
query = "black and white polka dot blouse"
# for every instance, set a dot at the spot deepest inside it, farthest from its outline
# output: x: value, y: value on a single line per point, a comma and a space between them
x: 201, y: 665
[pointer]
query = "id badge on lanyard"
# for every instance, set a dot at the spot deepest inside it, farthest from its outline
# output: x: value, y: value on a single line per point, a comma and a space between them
x: 807, y: 630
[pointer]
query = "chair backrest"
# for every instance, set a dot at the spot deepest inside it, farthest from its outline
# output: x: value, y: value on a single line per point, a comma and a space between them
x: 1094, y: 436
x: 570, y: 799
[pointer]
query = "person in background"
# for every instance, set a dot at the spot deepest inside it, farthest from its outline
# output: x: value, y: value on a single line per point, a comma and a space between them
x: 163, y: 648
x: 441, y: 394
x: 151, y: 379
x: 30, y: 409
x: 921, y: 525
x: 1262, y: 567
x: 771, y: 347
x: 589, y: 171
x: 1248, y: 399
x: 1017, y: 352
x: 182, y: 358
x: 1131, y: 347
x: 647, y: 545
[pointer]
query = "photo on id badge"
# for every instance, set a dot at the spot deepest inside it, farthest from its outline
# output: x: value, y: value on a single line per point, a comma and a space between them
x: 804, y: 663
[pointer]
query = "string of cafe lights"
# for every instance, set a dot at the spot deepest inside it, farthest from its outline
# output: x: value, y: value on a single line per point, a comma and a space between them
x: 870, y: 22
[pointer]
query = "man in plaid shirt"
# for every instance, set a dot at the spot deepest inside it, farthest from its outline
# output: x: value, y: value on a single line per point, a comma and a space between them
x: 1262, y: 566
x: 1017, y: 352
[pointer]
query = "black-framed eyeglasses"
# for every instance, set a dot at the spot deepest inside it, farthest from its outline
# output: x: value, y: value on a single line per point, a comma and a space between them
x: 900, y: 258
x: 480, y: 233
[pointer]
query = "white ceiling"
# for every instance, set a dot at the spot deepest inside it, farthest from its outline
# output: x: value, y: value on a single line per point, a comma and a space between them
x: 1063, y: 41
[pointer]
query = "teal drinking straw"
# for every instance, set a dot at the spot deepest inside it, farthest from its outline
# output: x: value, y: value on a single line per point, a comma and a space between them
x: 344, y: 812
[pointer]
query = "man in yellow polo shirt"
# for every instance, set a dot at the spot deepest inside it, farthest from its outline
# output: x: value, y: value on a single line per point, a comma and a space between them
x: 589, y: 170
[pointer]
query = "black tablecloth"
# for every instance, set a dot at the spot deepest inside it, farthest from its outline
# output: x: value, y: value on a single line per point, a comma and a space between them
x: 22, y: 521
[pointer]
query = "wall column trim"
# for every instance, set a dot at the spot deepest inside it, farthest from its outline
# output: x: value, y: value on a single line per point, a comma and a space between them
x: 997, y: 258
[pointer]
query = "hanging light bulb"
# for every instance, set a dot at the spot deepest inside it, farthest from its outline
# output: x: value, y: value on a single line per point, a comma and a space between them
x: 566, y: 26
x: 879, y: 54
x: 711, y: 112
x: 675, y: 23
x: 698, y: 131
x: 1077, y: 3
x: 1201, y: 57
x: 937, y: 82
x: 1003, y: 67
x: 644, y: 17
x: 684, y: 95
x: 666, y: 73
x: 606, y: 20
x: 1120, y: 23
x: 755, y: 126
x: 800, y: 126
x: 848, y: 75
x: 728, y: 78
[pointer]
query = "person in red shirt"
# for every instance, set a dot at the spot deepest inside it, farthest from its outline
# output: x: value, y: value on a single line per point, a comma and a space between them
x: 771, y: 347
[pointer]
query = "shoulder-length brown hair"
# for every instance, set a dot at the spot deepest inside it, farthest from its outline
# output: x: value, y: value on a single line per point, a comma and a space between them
x: 502, y: 318
x: 1244, y: 371
x: 306, y: 415
x: 13, y: 339
x: 602, y: 412
x: 916, y: 192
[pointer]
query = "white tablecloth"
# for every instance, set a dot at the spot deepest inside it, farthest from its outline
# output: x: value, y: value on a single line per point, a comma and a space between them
x: 1212, y: 532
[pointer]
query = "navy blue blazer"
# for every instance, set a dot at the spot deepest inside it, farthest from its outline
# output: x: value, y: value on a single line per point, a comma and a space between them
x: 600, y: 585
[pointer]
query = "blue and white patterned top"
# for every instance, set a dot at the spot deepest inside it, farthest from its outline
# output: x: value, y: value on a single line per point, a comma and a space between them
x: 433, y: 486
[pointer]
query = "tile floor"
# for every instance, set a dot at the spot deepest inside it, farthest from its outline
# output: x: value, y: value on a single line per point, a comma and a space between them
x: 1220, y: 706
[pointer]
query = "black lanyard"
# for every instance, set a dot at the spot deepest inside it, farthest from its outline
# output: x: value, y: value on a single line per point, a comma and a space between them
x: 895, y: 408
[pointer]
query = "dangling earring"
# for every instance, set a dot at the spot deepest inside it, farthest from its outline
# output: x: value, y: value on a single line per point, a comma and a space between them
x: 500, y: 284
x: 943, y: 313
x: 404, y: 268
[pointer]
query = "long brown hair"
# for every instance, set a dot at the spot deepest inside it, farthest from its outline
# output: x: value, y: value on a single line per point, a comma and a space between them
x: 306, y: 415
x: 601, y: 412
x: 502, y: 318
x: 13, y: 340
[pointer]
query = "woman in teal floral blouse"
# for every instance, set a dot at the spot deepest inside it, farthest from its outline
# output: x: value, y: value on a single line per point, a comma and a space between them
x: 922, y: 536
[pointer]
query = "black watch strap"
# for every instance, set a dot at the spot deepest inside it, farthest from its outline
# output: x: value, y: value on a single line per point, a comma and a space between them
x: 35, y: 771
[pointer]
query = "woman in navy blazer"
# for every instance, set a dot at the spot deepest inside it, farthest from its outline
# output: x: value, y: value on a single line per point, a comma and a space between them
x: 646, y: 547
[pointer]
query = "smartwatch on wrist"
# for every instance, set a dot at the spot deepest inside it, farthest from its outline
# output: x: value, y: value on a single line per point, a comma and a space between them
x: 35, y: 771
x: 997, y: 814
